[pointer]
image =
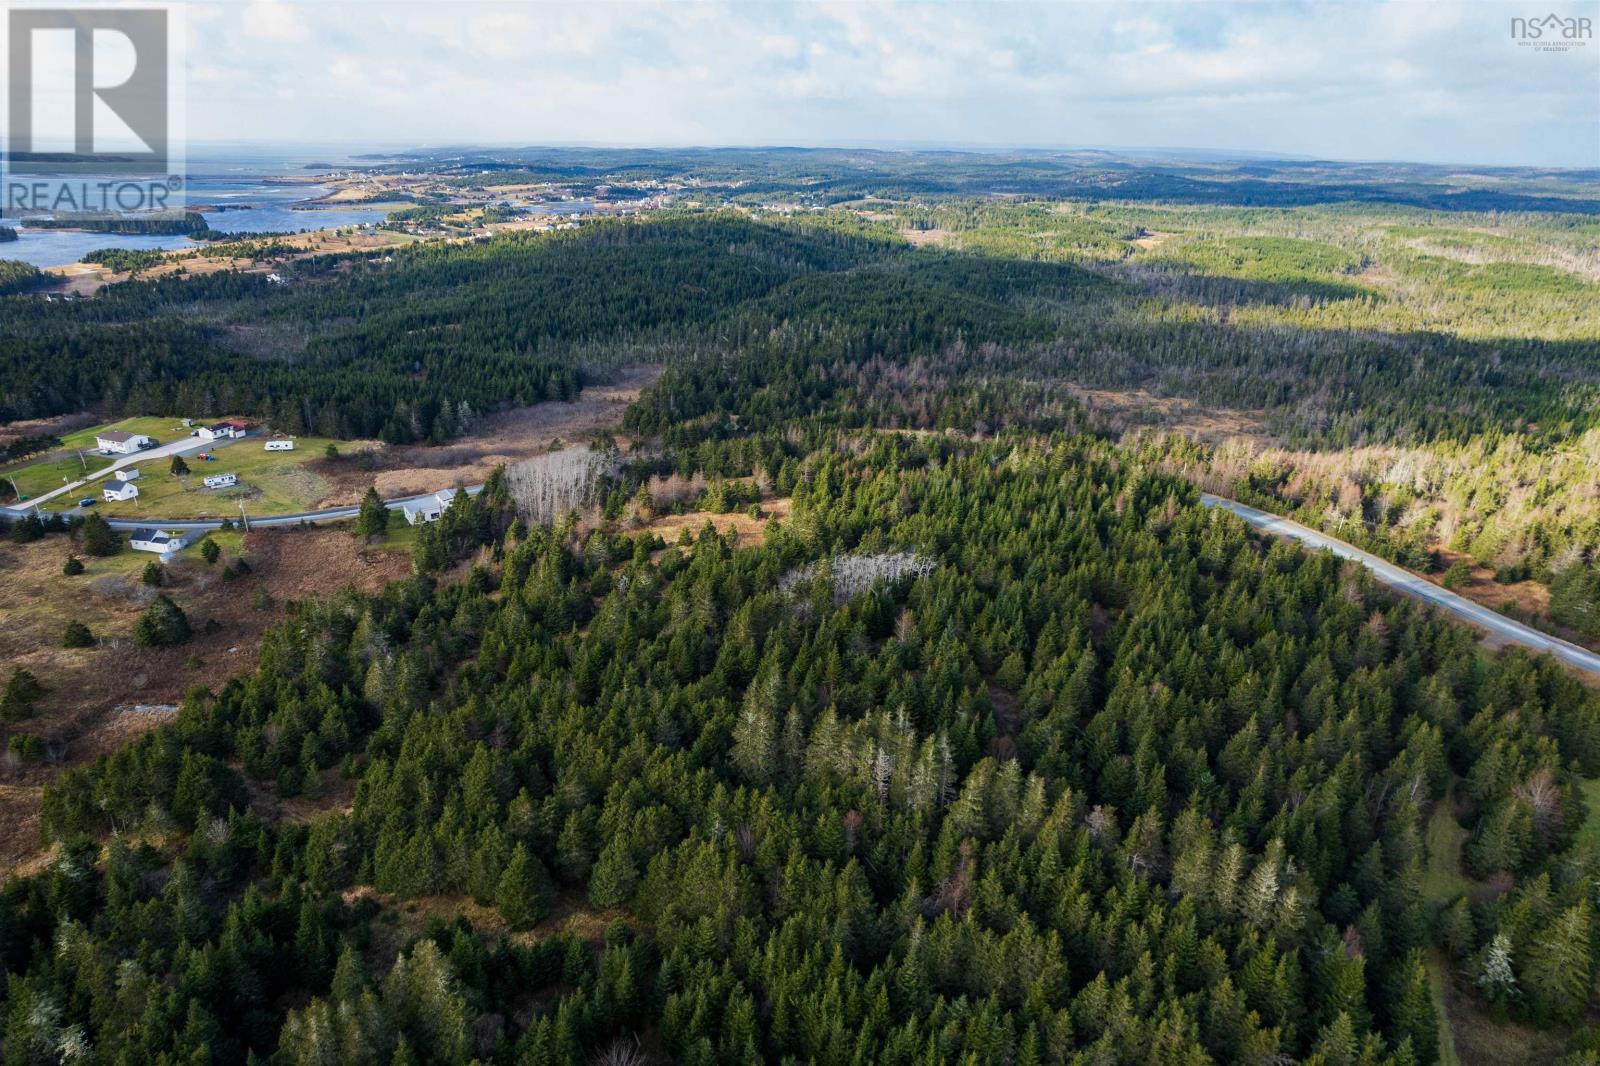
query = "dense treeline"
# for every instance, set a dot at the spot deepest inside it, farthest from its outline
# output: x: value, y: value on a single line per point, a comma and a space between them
x: 186, y: 223
x: 1097, y: 777
x: 17, y: 277
x: 395, y: 350
x: 832, y: 176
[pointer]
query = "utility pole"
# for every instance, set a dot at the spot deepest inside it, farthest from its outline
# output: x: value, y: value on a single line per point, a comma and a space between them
x: 244, y: 517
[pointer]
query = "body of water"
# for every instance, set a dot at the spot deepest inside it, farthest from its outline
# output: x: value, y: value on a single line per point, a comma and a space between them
x: 235, y: 182
x: 562, y: 207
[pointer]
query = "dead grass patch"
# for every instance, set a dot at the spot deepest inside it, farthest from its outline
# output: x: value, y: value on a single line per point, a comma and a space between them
x: 917, y: 238
x: 92, y: 695
x: 1123, y: 409
x: 748, y: 532
x: 499, y: 440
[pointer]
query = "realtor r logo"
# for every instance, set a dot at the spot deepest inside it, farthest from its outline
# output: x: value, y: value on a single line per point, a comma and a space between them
x: 139, y: 100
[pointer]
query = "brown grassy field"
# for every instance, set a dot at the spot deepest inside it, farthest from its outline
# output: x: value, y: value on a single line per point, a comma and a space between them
x: 501, y: 439
x: 748, y: 531
x: 91, y: 697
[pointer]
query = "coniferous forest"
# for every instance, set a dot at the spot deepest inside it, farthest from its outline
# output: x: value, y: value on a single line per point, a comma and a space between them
x: 997, y: 748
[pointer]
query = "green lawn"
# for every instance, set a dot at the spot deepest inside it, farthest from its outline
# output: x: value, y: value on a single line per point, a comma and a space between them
x: 66, y: 464
x: 1438, y: 978
x: 165, y: 430
x: 401, y: 535
x: 269, y: 482
x: 1442, y: 880
x: 33, y: 479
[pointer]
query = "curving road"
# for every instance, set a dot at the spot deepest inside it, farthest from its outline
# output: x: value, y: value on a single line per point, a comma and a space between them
x: 1497, y: 624
x: 1403, y: 581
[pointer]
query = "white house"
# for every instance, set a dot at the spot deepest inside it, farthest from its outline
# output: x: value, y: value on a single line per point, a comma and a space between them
x: 160, y: 541
x: 427, y: 508
x: 128, y: 474
x: 221, y: 481
x: 117, y: 491
x: 279, y: 446
x: 120, y: 442
x: 227, y: 428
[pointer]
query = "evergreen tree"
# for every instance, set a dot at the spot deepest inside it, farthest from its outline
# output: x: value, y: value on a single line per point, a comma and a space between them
x: 22, y: 691
x: 99, y: 539
x: 1414, y: 1016
x: 1559, y: 974
x: 523, y: 894
x: 77, y: 635
x: 162, y: 624
x: 373, y: 520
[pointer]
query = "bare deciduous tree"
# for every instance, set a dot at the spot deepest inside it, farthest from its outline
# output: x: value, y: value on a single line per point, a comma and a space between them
x: 856, y: 574
x: 548, y: 486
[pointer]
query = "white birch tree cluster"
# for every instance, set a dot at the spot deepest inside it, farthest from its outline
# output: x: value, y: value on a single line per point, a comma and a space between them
x: 547, y: 486
x: 856, y: 573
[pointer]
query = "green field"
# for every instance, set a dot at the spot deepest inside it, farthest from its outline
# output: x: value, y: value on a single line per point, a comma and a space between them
x: 269, y: 482
x: 1442, y: 880
x: 33, y: 477
x: 1589, y: 833
x: 164, y: 430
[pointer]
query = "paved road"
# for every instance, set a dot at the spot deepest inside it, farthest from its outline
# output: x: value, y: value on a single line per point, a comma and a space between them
x: 330, y: 514
x: 181, y: 446
x: 1497, y: 624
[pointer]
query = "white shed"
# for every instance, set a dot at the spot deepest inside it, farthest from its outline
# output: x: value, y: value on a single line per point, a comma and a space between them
x: 221, y: 481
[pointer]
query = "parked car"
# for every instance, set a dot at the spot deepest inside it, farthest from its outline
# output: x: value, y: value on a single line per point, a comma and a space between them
x: 87, y: 501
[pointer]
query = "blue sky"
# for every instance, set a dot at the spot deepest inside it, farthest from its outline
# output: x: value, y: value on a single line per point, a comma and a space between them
x: 1420, y: 80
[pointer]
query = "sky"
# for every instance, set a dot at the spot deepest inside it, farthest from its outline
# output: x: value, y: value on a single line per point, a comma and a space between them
x: 1414, y: 80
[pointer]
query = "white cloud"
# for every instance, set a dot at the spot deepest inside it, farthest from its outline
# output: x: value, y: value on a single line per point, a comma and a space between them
x: 273, y: 20
x: 1344, y: 77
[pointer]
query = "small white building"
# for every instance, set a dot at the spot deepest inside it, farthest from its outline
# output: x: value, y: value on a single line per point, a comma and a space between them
x: 228, y: 428
x: 427, y: 508
x: 128, y: 474
x: 162, y: 542
x: 118, y: 491
x: 120, y: 442
x: 221, y: 481
x: 279, y: 446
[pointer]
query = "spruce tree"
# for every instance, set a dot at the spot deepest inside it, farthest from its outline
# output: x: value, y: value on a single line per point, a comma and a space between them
x: 523, y: 895
x: 1413, y: 1013
x: 1559, y: 975
x: 99, y: 539
x: 373, y: 520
